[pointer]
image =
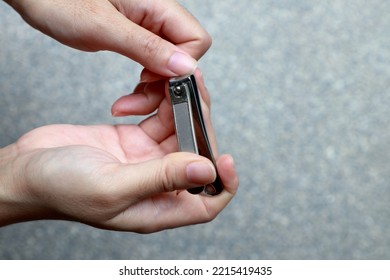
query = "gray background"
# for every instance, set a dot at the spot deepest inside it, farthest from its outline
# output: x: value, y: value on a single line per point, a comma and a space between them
x: 301, y: 98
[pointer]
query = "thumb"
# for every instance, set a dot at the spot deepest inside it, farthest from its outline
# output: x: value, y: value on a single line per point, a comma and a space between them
x: 150, y: 50
x: 176, y: 171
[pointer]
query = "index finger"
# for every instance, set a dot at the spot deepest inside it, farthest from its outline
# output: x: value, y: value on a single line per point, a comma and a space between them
x: 161, y: 35
x: 171, y: 21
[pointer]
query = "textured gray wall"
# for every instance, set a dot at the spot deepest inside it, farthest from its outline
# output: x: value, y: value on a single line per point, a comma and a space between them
x: 301, y: 98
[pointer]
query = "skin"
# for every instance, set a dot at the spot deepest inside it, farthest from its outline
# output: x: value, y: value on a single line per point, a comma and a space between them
x: 125, y: 177
x: 159, y: 34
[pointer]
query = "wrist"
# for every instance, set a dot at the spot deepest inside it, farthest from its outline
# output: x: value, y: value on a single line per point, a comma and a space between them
x: 16, y: 203
x: 8, y: 203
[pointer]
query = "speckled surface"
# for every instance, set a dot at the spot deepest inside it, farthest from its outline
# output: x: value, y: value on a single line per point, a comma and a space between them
x: 301, y: 98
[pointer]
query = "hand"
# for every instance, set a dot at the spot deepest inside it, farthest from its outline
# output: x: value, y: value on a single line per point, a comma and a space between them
x: 122, y: 177
x: 160, y: 34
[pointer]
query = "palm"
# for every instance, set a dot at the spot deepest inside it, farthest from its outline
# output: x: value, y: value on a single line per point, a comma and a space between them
x: 123, y: 143
x: 81, y: 150
x: 80, y: 162
x: 152, y: 138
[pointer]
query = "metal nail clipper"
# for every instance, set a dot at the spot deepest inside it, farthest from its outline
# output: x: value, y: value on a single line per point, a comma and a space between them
x: 190, y: 127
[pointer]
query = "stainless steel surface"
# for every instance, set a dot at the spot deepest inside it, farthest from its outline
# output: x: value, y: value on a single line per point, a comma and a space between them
x: 190, y: 126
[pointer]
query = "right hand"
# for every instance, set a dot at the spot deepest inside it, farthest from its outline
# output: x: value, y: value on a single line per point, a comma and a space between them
x: 159, y: 34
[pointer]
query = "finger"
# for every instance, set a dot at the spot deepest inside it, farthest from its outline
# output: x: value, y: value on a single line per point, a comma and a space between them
x: 176, y: 171
x: 214, y: 205
x: 202, y: 88
x: 148, y: 76
x: 227, y: 171
x: 168, y: 47
x: 171, y: 21
x: 144, y: 100
x: 160, y: 126
x: 205, y: 104
x: 174, y: 210
x: 162, y: 36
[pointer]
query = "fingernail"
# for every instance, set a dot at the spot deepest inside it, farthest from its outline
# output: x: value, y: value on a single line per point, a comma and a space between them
x: 199, y: 173
x: 181, y: 63
x: 149, y: 77
x: 119, y: 114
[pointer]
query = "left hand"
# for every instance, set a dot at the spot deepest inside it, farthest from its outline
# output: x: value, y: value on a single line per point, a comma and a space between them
x: 115, y: 177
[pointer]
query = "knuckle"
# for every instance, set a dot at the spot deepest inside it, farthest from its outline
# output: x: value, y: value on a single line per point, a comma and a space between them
x: 171, y: 174
x: 152, y: 47
x: 201, y: 44
x: 207, y: 41
x: 166, y: 176
x: 209, y: 211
